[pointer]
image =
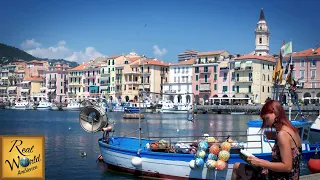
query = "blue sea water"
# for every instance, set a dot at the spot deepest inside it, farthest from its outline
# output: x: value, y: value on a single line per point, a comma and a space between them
x: 65, y: 140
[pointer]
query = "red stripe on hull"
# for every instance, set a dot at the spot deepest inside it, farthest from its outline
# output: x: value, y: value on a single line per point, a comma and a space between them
x: 145, y: 173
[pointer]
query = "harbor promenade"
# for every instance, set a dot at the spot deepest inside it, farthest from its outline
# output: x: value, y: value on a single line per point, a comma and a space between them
x: 253, y: 109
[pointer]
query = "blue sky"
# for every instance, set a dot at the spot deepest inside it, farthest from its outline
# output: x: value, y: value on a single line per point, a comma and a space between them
x: 82, y: 29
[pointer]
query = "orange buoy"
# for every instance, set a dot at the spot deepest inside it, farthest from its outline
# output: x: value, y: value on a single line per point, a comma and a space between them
x: 314, y: 163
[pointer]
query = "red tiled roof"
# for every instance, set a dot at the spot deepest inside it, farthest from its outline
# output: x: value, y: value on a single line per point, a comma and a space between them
x: 133, y: 59
x: 80, y: 67
x: 36, y: 61
x: 307, y: 52
x: 151, y: 62
x: 27, y: 78
x: 114, y: 56
x: 187, y: 62
x: 250, y: 56
x: 211, y: 53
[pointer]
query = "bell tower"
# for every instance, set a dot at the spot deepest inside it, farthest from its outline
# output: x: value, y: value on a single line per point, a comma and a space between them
x: 262, y: 36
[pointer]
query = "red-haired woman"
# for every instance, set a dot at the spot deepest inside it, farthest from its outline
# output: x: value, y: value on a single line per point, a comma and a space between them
x: 286, y: 152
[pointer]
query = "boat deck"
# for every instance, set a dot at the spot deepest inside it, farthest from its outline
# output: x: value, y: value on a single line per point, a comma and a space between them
x: 311, y: 176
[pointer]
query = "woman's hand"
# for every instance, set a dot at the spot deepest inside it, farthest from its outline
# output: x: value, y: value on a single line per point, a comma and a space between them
x: 254, y: 161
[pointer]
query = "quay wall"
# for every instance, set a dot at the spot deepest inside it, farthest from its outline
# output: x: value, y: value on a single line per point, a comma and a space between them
x: 253, y: 109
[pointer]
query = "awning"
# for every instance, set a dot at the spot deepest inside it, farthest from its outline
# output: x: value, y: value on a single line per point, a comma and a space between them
x: 3, y: 88
x: 223, y: 64
x: 24, y: 90
x: 237, y: 64
x: 12, y: 88
x: 249, y: 64
x: 25, y: 82
x: 93, y: 88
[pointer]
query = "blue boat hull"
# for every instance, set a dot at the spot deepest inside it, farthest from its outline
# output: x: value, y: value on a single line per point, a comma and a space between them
x: 119, y: 151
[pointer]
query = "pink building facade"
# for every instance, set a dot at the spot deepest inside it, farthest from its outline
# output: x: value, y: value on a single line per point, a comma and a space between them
x: 91, y: 82
x: 307, y: 73
x: 226, y: 78
x: 57, y: 82
x: 205, y: 73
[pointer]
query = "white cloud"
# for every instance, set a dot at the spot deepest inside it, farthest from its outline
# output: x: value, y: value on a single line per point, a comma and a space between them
x: 61, y: 51
x: 159, y: 52
x: 62, y: 43
x: 29, y: 43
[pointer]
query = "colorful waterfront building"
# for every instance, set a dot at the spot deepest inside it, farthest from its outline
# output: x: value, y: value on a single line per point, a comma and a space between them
x: 306, y: 72
x: 91, y: 81
x: 56, y: 82
x: 178, y: 88
x: 76, y: 81
x: 121, y: 67
x: 253, y: 77
x: 226, y: 80
x: 147, y: 75
x: 108, y: 76
x: 205, y: 75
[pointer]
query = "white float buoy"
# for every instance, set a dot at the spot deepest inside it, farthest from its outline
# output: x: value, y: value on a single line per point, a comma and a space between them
x: 192, y: 164
x: 136, y: 161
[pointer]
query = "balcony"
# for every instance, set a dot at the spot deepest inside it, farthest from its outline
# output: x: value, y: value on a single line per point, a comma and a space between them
x: 244, y: 80
x: 247, y: 68
x: 170, y: 91
x: 118, y: 73
x: 205, y: 88
x: 132, y: 73
x: 147, y: 72
x: 118, y: 82
x: 105, y: 75
x: 162, y: 73
x: 131, y: 82
x: 52, y: 79
x: 53, y: 86
x: 205, y: 72
x: 104, y: 83
x: 203, y: 81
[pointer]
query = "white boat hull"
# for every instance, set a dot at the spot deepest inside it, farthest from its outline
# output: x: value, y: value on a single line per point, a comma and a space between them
x: 169, y: 111
x: 316, y: 125
x: 178, y: 169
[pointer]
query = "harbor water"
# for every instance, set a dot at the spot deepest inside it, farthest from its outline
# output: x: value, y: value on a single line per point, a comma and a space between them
x: 65, y: 140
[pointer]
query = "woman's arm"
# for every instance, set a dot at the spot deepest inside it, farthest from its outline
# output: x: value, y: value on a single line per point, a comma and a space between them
x: 285, y: 153
x: 283, y: 139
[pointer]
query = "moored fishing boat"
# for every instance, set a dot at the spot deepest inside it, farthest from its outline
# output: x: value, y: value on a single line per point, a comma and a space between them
x: 147, y: 157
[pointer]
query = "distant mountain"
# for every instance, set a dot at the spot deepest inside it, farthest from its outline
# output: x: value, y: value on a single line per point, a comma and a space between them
x: 10, y: 54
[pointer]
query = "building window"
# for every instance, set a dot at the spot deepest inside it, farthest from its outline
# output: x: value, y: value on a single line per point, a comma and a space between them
x: 314, y: 85
x: 238, y: 89
x: 301, y: 74
x: 187, y: 69
x: 205, y: 78
x: 214, y: 68
x: 215, y: 86
x: 197, y: 87
x: 112, y: 61
x: 196, y: 70
x: 268, y: 78
x: 249, y: 89
x: 215, y: 77
x: 268, y: 89
x: 199, y: 60
x: 175, y: 79
x: 302, y: 63
x: 205, y: 69
x: 178, y: 69
x: 313, y: 73
x: 313, y: 63
x: 233, y: 88
x: 206, y: 59
x: 260, y: 40
x: 61, y: 91
x: 262, y: 65
x: 262, y: 88
x: 268, y: 66
x: 263, y: 77
x: 197, y: 77
x: 225, y: 88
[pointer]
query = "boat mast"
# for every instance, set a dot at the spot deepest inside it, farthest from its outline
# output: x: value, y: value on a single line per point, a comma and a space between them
x: 140, y: 143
